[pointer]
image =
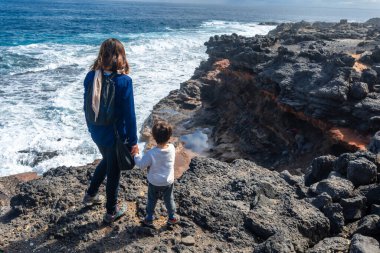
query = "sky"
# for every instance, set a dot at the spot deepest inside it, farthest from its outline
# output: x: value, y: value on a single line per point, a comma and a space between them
x: 315, y: 3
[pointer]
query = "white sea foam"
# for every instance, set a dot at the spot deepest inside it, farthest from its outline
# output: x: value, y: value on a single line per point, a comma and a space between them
x: 248, y: 29
x: 41, y: 97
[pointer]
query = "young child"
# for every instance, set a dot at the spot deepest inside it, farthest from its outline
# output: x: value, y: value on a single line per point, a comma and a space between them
x: 160, y: 164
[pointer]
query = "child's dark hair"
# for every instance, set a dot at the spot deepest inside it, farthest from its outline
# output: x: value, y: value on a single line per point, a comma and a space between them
x: 162, y: 131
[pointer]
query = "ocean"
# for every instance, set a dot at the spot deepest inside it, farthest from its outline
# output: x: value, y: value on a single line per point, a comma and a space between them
x: 47, y: 47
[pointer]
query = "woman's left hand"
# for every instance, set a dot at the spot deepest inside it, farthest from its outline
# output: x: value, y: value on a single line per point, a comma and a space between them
x: 134, y: 150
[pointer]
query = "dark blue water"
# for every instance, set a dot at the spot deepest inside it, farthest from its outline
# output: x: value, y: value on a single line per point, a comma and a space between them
x: 25, y: 22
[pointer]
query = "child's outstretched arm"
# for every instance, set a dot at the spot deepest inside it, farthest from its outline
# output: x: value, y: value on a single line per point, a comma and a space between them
x: 143, y: 161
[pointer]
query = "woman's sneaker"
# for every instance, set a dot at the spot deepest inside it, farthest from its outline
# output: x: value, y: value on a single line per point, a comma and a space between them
x: 92, y: 200
x: 172, y: 221
x: 120, y: 212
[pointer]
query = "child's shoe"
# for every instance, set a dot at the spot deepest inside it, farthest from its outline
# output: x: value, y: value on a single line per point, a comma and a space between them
x: 172, y: 221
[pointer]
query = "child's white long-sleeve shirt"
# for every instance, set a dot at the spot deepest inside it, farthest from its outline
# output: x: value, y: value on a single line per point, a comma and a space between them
x: 161, y: 165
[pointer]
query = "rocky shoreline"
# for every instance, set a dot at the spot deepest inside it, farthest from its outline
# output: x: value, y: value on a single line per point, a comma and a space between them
x: 282, y: 132
x: 304, y: 90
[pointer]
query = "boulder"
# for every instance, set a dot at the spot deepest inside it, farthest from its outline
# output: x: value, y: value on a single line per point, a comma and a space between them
x: 359, y: 90
x: 341, y: 163
x: 337, y: 188
x: 374, y: 145
x: 371, y: 193
x: 331, y: 244
x: 343, y: 160
x: 291, y: 179
x: 320, y: 169
x: 366, y: 59
x: 369, y: 76
x: 353, y: 208
x: 243, y: 199
x: 321, y: 201
x: 369, y: 225
x: 277, y: 243
x: 334, y: 212
x: 298, y: 182
x: 364, y: 244
x: 361, y: 172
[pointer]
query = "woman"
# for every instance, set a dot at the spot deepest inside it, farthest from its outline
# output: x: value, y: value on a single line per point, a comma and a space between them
x: 112, y: 63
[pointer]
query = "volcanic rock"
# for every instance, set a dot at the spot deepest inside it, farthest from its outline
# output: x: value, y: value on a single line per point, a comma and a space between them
x: 374, y: 146
x: 308, y: 78
x: 320, y: 169
x: 337, y: 188
x: 359, y: 90
x: 244, y: 202
x: 341, y: 164
x: 371, y: 193
x: 354, y: 208
x: 321, y: 201
x: 230, y: 203
x: 369, y: 225
x: 332, y: 244
x: 361, y: 172
x: 364, y: 244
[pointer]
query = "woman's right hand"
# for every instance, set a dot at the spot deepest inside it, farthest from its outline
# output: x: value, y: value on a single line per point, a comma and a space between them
x: 134, y: 150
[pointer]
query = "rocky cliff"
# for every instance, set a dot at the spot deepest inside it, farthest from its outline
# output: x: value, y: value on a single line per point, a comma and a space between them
x: 299, y: 105
x: 305, y: 89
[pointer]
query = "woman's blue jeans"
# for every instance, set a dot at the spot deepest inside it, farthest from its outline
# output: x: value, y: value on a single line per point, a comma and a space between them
x: 107, y: 168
